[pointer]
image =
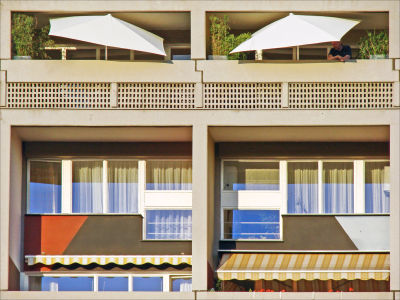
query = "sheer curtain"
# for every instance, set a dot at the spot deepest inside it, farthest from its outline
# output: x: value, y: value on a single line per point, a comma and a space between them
x: 303, y: 187
x: 377, y: 187
x: 169, y: 224
x: 182, y: 284
x: 168, y: 175
x: 122, y: 186
x: 338, y: 180
x: 87, y: 187
x: 45, y: 187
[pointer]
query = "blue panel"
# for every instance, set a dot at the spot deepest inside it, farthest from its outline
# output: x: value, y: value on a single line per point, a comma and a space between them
x: 256, y: 224
x: 303, y: 198
x: 169, y: 186
x: 169, y: 224
x: 255, y: 187
x: 87, y: 197
x: 123, y: 197
x: 338, y: 198
x: 147, y: 284
x: 176, y: 283
x: 113, y: 284
x: 44, y: 198
x: 376, y: 191
x: 67, y: 283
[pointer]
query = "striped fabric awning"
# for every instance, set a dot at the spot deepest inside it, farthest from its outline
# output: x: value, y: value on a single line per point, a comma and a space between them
x: 304, y: 266
x: 107, y: 259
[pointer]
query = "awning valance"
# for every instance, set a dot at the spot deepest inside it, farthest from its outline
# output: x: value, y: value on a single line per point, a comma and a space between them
x: 304, y: 266
x: 108, y: 259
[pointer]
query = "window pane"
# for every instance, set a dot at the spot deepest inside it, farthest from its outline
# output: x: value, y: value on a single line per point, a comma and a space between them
x: 377, y: 187
x: 122, y: 186
x: 147, y: 284
x: 45, y: 187
x: 182, y: 284
x: 67, y: 284
x: 169, y: 224
x: 251, y: 175
x: 303, y: 187
x: 87, y: 188
x: 251, y: 224
x: 168, y: 175
x: 338, y: 188
x: 113, y: 284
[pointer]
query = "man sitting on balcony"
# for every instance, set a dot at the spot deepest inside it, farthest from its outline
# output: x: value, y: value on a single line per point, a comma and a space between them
x: 339, y: 52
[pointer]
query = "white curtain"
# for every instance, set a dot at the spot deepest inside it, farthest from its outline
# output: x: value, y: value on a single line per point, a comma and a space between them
x: 168, y: 175
x: 122, y: 186
x: 184, y: 285
x: 377, y: 187
x: 87, y: 188
x: 169, y: 224
x: 45, y: 187
x: 338, y: 180
x: 303, y: 187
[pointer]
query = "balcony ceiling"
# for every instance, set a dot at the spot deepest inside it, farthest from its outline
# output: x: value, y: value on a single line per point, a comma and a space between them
x: 104, y: 134
x: 253, y: 21
x: 146, y: 20
x: 301, y: 134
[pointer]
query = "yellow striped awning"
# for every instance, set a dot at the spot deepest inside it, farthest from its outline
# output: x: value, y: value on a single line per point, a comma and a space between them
x: 108, y: 259
x: 282, y: 267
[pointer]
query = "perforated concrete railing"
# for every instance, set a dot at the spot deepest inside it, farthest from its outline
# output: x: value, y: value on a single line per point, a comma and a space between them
x: 251, y: 96
x: 156, y: 95
x: 58, y: 95
x: 242, y: 95
x: 339, y: 95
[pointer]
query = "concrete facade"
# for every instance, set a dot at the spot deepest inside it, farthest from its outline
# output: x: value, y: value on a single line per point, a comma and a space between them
x: 204, y: 124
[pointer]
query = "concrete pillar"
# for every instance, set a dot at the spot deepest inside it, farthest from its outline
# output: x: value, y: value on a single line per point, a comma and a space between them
x: 5, y: 140
x: 395, y: 204
x: 394, y: 30
x: 198, y: 34
x: 199, y: 207
x: 5, y: 36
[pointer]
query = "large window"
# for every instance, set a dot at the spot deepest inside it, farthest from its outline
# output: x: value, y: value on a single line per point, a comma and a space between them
x: 168, y: 175
x: 169, y: 224
x: 243, y: 175
x: 87, y: 187
x: 112, y: 282
x: 251, y: 224
x: 44, y: 187
x: 377, y: 187
x: 338, y: 191
x: 302, y: 187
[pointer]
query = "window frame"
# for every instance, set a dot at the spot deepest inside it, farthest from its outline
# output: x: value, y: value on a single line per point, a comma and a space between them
x: 166, y: 277
x: 250, y: 240
x: 144, y: 227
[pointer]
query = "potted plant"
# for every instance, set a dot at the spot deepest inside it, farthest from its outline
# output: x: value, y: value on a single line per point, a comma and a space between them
x: 28, y: 41
x: 223, y: 42
x: 374, y: 45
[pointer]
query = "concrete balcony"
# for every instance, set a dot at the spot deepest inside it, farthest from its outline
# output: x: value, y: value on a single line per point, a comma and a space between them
x: 362, y: 84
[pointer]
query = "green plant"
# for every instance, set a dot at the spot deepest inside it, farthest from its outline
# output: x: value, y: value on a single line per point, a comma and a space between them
x: 219, y: 30
x: 222, y: 41
x: 374, y: 43
x: 27, y: 39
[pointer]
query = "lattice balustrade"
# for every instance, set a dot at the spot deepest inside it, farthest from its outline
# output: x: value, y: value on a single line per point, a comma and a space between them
x: 242, y: 95
x: 156, y: 95
x: 58, y: 95
x: 339, y: 95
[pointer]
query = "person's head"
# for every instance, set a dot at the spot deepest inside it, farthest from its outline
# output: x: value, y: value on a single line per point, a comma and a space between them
x: 337, y: 45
